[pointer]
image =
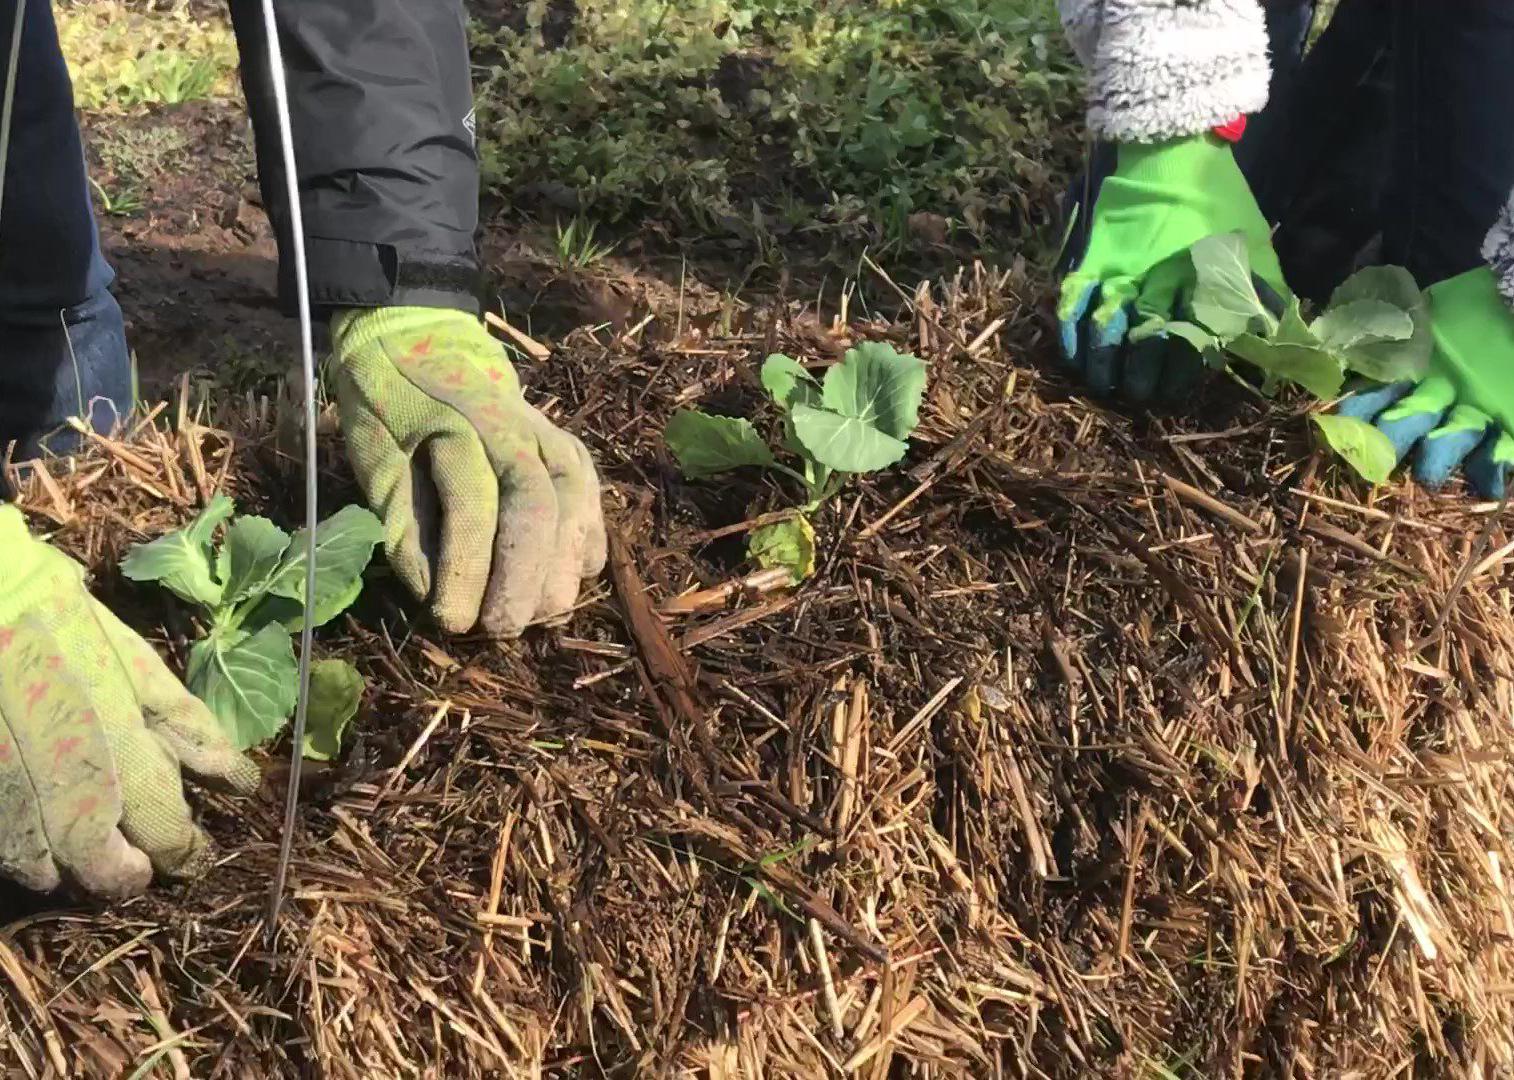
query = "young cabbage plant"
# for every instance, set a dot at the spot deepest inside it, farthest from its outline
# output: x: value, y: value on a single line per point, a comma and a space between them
x: 251, y: 588
x: 1376, y: 325
x: 857, y: 419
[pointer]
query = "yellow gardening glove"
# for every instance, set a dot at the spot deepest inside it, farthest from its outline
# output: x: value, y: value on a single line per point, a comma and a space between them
x: 93, y: 732
x: 491, y: 514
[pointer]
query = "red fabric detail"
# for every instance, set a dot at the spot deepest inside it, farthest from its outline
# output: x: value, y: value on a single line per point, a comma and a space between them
x: 1232, y: 131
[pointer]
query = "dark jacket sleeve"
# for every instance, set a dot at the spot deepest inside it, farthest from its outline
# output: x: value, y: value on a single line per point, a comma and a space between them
x: 382, y: 112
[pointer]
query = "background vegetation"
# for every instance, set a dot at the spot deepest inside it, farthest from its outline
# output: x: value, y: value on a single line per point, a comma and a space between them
x: 758, y: 125
x: 763, y: 118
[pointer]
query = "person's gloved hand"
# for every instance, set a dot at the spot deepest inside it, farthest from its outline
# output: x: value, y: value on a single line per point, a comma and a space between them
x: 93, y: 732
x: 1161, y: 199
x: 1462, y: 413
x: 491, y: 514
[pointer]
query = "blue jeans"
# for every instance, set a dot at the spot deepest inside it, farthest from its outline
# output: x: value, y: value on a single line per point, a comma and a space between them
x: 1395, y: 145
x: 62, y: 339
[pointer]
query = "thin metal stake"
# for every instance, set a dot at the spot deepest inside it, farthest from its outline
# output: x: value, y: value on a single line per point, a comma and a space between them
x: 307, y: 356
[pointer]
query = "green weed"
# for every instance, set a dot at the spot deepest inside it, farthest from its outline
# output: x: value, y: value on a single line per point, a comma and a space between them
x: 118, y: 201
x: 141, y: 152
x: 857, y: 420
x: 131, y: 158
x: 1179, y: 1069
x: 576, y: 246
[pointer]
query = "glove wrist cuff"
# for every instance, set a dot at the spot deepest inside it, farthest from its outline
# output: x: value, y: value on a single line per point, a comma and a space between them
x: 1190, y: 161
x: 15, y: 537
x: 25, y: 562
x: 354, y: 329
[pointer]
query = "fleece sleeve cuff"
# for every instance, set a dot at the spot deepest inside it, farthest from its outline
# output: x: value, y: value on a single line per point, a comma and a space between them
x: 1499, y: 251
x: 1165, y: 69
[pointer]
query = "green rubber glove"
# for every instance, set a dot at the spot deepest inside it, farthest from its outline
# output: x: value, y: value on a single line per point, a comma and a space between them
x: 1161, y: 200
x: 491, y: 514
x: 93, y: 732
x: 1461, y: 415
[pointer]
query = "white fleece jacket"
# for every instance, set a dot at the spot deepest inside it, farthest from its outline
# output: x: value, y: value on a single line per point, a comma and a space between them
x: 1162, y: 69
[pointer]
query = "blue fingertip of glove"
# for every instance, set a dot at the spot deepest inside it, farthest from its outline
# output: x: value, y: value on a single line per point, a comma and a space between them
x: 1112, y: 333
x: 1102, y: 375
x: 1487, y: 475
x: 1070, y: 327
x: 1440, y: 455
x: 1368, y: 402
x: 1143, y: 367
x: 1406, y: 431
x: 1070, y: 343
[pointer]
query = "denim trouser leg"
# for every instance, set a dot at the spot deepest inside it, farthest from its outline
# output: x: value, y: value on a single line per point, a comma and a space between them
x: 62, y: 342
x: 1396, y: 132
x: 1453, y: 140
x: 1288, y: 23
x: 1319, y: 161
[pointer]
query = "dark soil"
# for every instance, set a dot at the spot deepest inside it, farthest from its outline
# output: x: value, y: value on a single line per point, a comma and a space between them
x: 196, y: 265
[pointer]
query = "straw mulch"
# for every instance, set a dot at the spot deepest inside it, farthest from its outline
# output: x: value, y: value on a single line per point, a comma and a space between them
x: 1098, y: 746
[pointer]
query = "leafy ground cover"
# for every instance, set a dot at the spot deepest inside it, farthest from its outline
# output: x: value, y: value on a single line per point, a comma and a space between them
x: 125, y: 56
x: 757, y: 139
x: 767, y: 121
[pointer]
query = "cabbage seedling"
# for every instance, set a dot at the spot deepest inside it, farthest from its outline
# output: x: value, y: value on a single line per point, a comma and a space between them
x: 252, y: 589
x: 858, y: 419
x: 1377, y: 325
